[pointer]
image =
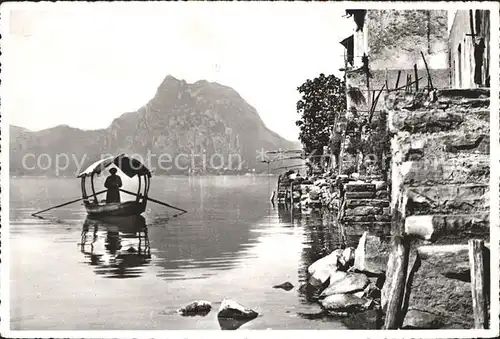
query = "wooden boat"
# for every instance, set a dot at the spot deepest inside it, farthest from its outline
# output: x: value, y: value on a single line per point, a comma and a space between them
x: 124, y: 224
x: 130, y: 167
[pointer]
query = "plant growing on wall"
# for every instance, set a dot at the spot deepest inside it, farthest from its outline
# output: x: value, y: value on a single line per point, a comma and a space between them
x: 322, y: 100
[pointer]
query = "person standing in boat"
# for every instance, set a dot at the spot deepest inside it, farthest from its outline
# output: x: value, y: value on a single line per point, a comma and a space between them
x: 113, y: 183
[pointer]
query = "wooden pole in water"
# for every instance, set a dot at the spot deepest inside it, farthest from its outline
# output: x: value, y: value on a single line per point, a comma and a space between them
x: 393, y: 316
x: 479, y: 306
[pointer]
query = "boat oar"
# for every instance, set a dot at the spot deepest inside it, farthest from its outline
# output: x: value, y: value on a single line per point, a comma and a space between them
x: 156, y: 201
x: 62, y: 205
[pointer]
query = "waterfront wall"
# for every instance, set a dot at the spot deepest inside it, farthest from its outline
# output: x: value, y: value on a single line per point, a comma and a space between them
x: 440, y: 188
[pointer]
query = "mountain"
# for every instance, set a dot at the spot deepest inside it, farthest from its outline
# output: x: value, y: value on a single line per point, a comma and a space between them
x: 185, y: 123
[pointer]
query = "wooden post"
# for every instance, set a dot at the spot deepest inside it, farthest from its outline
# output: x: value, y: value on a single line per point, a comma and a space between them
x: 386, y: 81
x: 291, y: 194
x: 429, y: 79
x: 401, y: 251
x: 476, y: 250
x: 397, y: 81
x: 416, y: 77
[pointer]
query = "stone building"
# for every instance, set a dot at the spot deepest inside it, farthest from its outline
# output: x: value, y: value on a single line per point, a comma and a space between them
x: 387, y: 50
x: 469, y: 49
x: 385, y: 43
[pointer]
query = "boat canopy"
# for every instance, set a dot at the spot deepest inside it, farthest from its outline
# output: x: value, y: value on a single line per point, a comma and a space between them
x: 126, y: 164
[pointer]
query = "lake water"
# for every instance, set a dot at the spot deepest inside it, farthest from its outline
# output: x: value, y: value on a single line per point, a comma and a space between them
x: 69, y: 273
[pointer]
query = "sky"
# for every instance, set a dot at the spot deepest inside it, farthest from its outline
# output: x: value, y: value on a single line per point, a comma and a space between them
x: 85, y: 64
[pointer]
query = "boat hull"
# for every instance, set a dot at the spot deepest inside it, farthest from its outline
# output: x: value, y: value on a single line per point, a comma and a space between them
x: 121, y: 209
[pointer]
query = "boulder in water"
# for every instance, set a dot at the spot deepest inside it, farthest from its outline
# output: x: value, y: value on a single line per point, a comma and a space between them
x: 287, y: 286
x: 372, y: 254
x: 346, y: 303
x: 351, y: 282
x: 324, y: 267
x: 233, y: 310
x: 200, y: 307
x: 347, y: 258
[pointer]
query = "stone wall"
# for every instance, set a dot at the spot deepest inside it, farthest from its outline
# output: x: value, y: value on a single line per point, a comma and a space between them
x: 397, y: 37
x: 440, y: 185
x: 394, y: 41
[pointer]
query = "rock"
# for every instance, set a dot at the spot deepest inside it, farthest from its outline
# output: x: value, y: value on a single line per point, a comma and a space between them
x: 233, y: 310
x: 384, y: 217
x: 363, y: 210
x: 367, y: 202
x: 433, y: 227
x: 379, y: 185
x: 429, y: 120
x: 200, y: 307
x: 359, y: 294
x: 351, y: 282
x: 372, y: 291
x: 303, y: 288
x: 348, y: 256
x: 447, y: 199
x: 228, y: 324
x: 287, y: 286
x: 314, y: 192
x: 319, y: 182
x: 359, y: 187
x: 371, y: 254
x: 360, y: 195
x: 467, y: 142
x: 324, y: 267
x: 337, y: 276
x: 455, y: 170
x: 346, y: 303
x: 433, y: 292
x: 368, y: 320
x: 416, y: 319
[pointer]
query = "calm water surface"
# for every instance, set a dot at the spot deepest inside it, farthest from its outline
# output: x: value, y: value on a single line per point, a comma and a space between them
x: 71, y: 273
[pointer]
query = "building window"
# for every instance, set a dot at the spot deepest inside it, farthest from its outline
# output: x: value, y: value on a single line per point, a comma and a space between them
x: 348, y: 43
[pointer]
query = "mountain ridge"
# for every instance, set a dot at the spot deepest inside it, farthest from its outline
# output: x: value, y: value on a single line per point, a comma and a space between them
x: 203, y: 118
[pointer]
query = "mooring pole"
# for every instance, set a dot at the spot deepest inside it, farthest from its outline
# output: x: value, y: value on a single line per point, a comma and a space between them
x: 400, y: 255
x: 393, y: 316
x: 479, y: 306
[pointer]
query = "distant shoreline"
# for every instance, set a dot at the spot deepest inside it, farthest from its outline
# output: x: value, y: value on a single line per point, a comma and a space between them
x: 159, y: 175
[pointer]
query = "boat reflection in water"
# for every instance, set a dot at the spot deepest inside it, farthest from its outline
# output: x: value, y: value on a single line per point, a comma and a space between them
x: 117, y: 247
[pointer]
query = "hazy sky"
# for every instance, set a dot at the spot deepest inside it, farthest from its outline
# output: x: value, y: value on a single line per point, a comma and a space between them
x: 85, y: 64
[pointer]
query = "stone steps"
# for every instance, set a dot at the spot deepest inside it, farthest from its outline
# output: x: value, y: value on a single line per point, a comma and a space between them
x: 367, y: 202
x: 367, y: 218
x: 367, y: 225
